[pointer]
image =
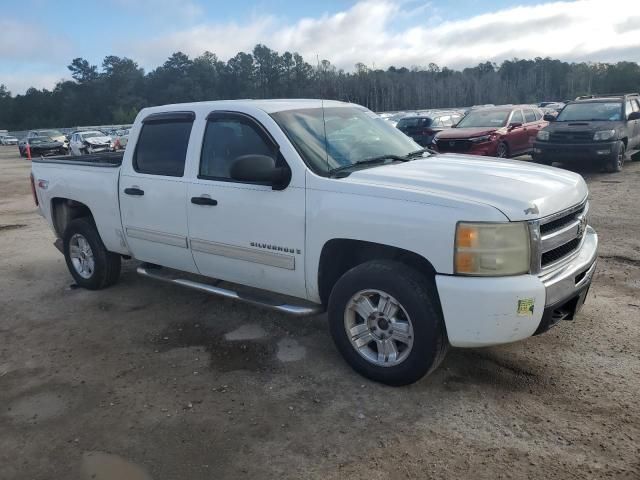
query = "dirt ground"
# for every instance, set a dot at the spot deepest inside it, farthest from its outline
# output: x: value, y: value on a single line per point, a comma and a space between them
x: 146, y: 380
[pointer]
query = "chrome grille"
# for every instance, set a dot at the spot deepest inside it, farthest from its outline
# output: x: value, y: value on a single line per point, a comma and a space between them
x: 560, y: 237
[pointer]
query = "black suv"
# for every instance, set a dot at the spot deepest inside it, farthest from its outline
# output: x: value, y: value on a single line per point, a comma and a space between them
x: 424, y: 126
x: 605, y: 128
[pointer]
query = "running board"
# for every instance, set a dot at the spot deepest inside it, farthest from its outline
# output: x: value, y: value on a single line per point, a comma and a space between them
x: 272, y: 303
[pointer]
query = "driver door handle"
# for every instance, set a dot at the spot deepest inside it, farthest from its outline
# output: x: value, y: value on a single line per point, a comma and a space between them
x: 204, y: 201
x: 134, y: 191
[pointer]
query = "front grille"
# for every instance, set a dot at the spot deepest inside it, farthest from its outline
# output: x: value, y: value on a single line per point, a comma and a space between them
x: 453, y: 145
x: 556, y: 254
x: 571, y: 136
x: 557, y: 224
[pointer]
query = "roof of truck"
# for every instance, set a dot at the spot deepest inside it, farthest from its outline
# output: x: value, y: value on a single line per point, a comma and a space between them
x: 269, y: 106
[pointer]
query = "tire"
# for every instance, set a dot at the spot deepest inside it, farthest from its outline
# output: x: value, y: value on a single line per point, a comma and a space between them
x: 93, y: 268
x: 417, y: 321
x: 502, y: 150
x: 542, y: 160
x: 616, y: 161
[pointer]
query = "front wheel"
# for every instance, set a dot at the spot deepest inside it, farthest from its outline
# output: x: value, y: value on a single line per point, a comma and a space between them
x: 616, y: 161
x: 502, y: 151
x: 386, y: 322
x: 92, y: 266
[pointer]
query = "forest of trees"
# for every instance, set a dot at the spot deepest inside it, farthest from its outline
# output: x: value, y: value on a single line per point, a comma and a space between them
x: 114, y: 92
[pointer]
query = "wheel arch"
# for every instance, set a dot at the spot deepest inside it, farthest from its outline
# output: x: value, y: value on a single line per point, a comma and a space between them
x: 64, y: 210
x: 339, y: 255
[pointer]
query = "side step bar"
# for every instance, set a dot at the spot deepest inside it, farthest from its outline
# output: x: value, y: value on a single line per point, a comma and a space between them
x: 289, y: 309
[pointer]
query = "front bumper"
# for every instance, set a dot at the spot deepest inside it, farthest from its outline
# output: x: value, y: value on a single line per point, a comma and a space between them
x: 489, y: 148
x: 571, y: 151
x: 489, y: 311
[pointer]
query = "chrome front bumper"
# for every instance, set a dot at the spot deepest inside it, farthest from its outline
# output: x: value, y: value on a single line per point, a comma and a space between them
x: 568, y: 280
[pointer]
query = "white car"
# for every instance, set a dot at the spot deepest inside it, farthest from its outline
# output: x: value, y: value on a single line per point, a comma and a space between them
x: 303, y: 206
x: 8, y: 140
x: 92, y: 141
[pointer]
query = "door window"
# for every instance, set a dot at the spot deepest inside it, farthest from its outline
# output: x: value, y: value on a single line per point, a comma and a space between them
x: 529, y: 116
x: 228, y: 138
x: 162, y: 146
x: 634, y: 106
x: 517, y: 117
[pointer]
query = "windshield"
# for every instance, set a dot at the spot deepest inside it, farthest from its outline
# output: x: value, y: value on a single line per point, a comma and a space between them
x: 485, y: 118
x: 611, y: 111
x: 414, y: 122
x: 336, y: 137
x: 50, y: 133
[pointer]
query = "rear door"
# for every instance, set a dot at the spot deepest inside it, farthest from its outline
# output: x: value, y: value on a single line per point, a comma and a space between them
x: 153, y: 191
x: 517, y: 137
x: 244, y: 232
x: 532, y: 125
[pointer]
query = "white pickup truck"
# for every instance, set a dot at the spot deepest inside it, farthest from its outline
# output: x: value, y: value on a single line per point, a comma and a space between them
x: 307, y: 205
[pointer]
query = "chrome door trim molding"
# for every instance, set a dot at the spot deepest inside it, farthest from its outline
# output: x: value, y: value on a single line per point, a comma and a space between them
x: 242, y: 253
x: 157, y: 237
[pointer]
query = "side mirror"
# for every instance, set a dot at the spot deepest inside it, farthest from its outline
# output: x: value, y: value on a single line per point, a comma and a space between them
x: 548, y: 117
x: 634, y: 116
x: 514, y: 125
x: 260, y: 169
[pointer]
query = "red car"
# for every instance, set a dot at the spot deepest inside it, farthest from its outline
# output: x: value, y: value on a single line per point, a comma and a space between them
x: 507, y: 131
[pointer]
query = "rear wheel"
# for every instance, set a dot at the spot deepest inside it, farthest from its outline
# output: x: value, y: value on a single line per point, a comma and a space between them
x: 616, y: 161
x: 385, y: 320
x: 92, y: 266
x: 502, y: 151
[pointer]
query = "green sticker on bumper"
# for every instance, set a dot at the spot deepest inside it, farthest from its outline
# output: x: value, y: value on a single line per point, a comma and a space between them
x: 525, y: 306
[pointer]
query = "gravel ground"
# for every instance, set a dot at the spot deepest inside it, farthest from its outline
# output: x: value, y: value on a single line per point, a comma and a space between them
x: 145, y: 380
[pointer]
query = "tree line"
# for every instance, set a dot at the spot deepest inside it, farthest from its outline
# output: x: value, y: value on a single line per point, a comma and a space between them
x: 114, y: 92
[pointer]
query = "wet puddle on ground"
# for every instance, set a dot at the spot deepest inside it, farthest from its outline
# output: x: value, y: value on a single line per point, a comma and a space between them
x: 104, y: 466
x: 246, y: 348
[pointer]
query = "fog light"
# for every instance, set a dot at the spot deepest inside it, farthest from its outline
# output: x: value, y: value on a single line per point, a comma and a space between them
x: 537, y: 150
x: 603, y: 152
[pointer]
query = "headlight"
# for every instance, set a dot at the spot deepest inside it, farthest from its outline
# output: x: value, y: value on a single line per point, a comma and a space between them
x: 543, y: 135
x: 482, y: 139
x: 492, y: 249
x: 604, y: 135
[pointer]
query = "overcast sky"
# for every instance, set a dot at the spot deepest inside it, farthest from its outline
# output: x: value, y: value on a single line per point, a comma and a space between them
x: 38, y: 38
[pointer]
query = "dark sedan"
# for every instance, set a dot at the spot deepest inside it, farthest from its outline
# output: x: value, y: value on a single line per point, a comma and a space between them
x: 41, y: 147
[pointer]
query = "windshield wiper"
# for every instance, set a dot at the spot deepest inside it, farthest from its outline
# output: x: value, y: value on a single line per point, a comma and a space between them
x: 419, y: 153
x: 368, y: 161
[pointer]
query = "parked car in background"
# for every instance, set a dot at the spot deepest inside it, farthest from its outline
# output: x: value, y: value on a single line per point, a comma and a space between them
x: 56, y: 135
x: 603, y: 128
x: 8, y: 140
x: 503, y: 131
x: 395, y: 118
x: 423, y: 127
x: 91, y: 141
x: 41, y: 147
x: 119, y: 139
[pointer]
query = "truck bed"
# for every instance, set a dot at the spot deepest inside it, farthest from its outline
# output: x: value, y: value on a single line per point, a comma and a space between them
x: 107, y: 159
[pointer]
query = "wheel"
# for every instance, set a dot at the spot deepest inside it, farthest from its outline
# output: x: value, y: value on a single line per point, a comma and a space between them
x: 92, y: 266
x: 385, y: 320
x: 22, y: 154
x: 616, y: 161
x: 502, y: 151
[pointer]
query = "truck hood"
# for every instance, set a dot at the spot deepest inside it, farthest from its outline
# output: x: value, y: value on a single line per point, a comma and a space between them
x: 465, y: 132
x: 583, y: 126
x: 520, y: 190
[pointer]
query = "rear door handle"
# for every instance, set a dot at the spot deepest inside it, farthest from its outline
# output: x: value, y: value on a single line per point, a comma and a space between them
x: 204, y: 201
x: 134, y: 191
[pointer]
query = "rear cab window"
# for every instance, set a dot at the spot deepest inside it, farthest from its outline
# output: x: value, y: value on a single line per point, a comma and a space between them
x: 162, y: 144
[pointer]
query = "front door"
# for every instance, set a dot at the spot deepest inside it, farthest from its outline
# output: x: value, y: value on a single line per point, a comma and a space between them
x: 244, y: 232
x: 153, y: 192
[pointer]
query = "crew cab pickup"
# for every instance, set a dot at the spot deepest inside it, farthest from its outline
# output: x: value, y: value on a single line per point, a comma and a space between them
x: 601, y: 128
x: 304, y: 206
